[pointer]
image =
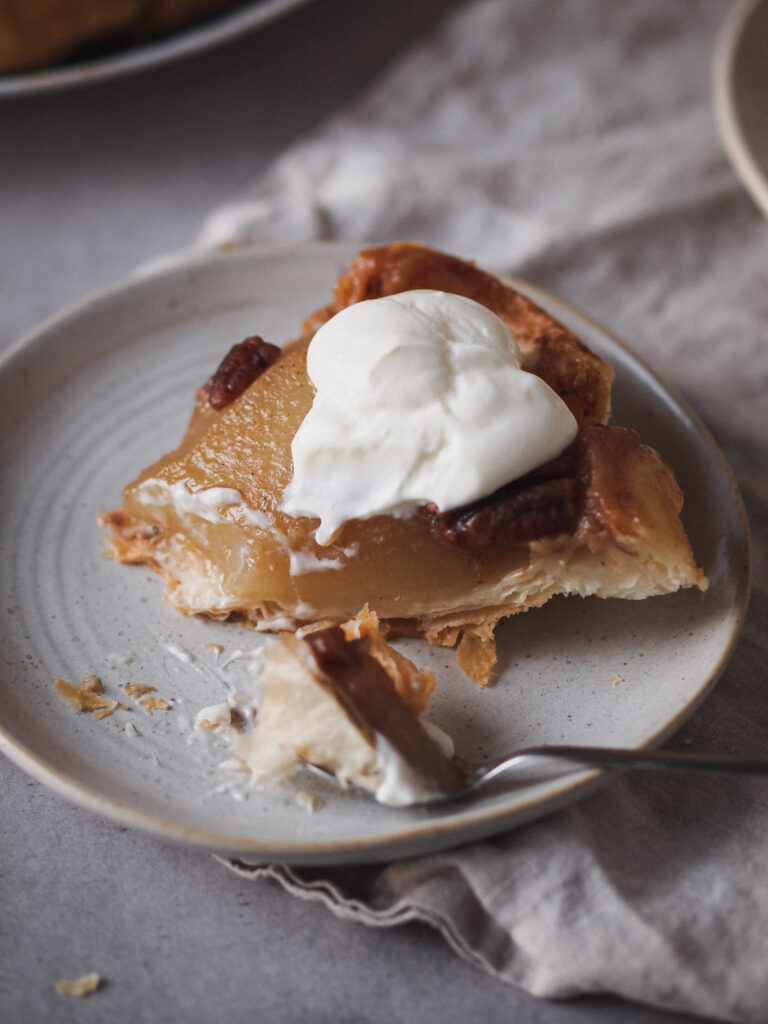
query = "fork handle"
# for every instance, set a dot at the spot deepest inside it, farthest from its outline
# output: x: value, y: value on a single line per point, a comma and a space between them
x: 644, y: 760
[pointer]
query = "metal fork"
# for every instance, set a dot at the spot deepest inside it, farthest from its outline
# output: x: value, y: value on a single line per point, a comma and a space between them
x: 467, y: 778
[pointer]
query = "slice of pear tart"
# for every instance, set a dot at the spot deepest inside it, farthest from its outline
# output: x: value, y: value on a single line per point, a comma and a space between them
x: 434, y: 445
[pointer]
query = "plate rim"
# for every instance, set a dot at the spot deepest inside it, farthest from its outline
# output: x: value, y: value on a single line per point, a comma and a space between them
x: 185, y: 42
x: 418, y: 836
x: 751, y: 175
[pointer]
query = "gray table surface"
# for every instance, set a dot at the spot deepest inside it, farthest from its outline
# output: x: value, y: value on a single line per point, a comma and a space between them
x: 93, y: 182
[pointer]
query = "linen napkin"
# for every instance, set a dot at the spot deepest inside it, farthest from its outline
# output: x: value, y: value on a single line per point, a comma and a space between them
x: 571, y: 142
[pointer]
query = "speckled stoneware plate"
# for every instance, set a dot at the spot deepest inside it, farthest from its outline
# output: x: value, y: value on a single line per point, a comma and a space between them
x: 94, y: 395
x: 740, y: 86
x: 184, y: 43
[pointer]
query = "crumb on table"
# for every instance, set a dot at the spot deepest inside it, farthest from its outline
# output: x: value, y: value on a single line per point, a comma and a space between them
x: 82, y: 986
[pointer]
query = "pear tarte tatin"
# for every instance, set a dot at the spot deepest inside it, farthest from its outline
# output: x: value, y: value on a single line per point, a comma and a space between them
x: 602, y: 518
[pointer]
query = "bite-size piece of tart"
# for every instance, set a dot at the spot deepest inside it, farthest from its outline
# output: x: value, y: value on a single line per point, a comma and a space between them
x: 342, y: 699
x: 434, y: 445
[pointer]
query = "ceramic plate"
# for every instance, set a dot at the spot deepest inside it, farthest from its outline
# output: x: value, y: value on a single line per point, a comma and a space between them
x: 96, y: 394
x: 183, y: 43
x: 740, y: 81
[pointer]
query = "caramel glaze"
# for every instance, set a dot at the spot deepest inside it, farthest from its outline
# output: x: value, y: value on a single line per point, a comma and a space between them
x: 364, y: 691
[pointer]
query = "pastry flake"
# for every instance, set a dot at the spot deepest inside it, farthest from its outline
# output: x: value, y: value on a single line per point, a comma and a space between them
x: 88, y: 696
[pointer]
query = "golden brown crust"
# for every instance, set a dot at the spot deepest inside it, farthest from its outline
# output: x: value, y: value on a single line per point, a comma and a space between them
x: 581, y: 378
x: 476, y: 654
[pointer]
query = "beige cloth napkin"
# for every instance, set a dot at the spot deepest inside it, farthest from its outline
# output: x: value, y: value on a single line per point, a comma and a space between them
x: 572, y: 142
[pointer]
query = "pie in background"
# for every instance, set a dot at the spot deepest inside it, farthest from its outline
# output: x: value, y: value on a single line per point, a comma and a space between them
x: 39, y: 33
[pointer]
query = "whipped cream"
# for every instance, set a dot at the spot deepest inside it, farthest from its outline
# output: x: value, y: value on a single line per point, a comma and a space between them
x: 419, y: 398
x: 401, y: 784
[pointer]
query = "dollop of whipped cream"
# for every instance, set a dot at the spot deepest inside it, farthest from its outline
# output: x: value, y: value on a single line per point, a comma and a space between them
x: 419, y: 398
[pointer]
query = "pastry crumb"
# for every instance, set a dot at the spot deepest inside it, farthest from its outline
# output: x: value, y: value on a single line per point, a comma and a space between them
x: 151, y: 704
x: 308, y: 801
x: 181, y: 653
x: 213, y: 717
x: 215, y: 648
x: 83, y: 986
x: 121, y: 657
x: 476, y: 653
x: 85, y: 698
x: 138, y: 689
x: 616, y: 679
x: 92, y: 684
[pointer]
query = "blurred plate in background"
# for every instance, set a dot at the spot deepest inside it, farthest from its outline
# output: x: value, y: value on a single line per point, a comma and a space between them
x: 140, y: 57
x: 740, y: 82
